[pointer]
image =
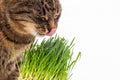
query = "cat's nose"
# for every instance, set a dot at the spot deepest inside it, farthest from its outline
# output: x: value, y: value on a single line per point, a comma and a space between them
x: 52, y: 31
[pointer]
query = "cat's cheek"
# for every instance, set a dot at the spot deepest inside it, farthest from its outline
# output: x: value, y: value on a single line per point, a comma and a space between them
x: 31, y: 31
x: 29, y: 28
x: 41, y: 31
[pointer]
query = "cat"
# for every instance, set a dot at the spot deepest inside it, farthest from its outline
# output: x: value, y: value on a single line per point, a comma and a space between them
x: 20, y: 22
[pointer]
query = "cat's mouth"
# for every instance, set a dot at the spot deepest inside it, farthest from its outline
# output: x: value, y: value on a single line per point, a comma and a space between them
x: 45, y: 31
x: 48, y: 30
x: 51, y: 32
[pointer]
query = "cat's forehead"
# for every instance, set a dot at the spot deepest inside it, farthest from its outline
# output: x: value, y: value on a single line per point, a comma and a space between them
x: 39, y: 1
x: 32, y: 3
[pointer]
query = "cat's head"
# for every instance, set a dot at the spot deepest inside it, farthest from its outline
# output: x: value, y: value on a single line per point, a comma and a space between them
x: 33, y: 16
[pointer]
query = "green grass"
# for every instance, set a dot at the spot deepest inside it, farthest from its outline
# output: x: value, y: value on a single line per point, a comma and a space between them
x: 51, y: 60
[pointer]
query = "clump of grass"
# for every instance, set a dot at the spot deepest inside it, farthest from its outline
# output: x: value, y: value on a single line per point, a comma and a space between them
x: 51, y: 60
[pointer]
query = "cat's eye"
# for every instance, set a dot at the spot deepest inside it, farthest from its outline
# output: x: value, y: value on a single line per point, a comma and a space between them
x: 22, y: 12
x: 43, y: 18
x: 56, y: 16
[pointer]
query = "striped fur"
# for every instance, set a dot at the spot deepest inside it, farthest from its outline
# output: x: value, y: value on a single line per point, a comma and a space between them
x: 20, y: 22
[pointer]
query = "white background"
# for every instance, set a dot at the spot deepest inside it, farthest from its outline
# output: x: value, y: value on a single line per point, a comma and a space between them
x: 96, y: 26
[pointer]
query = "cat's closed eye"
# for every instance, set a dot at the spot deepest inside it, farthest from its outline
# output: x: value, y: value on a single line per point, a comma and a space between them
x: 22, y: 12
